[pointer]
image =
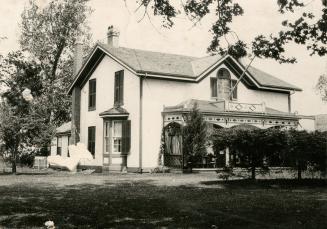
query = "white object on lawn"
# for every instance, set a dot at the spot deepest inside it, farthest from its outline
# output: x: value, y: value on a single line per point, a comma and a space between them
x: 77, y: 154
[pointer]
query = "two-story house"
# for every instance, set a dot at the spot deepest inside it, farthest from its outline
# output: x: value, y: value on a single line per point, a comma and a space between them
x: 122, y: 99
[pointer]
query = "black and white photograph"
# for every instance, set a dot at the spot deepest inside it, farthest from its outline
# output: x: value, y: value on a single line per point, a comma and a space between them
x: 163, y: 114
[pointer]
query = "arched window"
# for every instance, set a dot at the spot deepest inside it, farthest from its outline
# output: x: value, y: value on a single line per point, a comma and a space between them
x: 223, y: 73
x: 222, y: 85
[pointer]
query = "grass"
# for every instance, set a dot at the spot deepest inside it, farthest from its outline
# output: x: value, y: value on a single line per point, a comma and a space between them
x: 167, y: 200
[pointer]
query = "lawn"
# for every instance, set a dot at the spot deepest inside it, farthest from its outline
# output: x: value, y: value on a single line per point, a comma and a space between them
x: 159, y: 200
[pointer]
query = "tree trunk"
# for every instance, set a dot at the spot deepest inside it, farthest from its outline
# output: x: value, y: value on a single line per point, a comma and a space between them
x: 299, y: 172
x: 253, y: 172
x: 252, y: 167
x: 13, y: 163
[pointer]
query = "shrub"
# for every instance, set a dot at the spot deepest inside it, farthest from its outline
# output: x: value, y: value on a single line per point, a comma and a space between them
x: 26, y: 159
x: 194, y: 137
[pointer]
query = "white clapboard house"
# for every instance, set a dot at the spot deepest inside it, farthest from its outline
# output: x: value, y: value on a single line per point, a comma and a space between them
x: 122, y: 98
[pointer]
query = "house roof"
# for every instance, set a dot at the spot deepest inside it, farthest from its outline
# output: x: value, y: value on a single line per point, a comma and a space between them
x: 268, y: 80
x: 184, y: 67
x: 219, y: 107
x: 64, y: 128
x: 154, y: 62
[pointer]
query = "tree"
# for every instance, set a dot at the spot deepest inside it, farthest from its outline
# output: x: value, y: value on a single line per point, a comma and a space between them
x: 194, y: 137
x: 318, y: 154
x: 21, y: 122
x: 274, y: 142
x: 321, y: 87
x: 49, y: 35
x: 254, y: 147
x: 309, y: 29
x: 299, y: 150
x: 222, y: 138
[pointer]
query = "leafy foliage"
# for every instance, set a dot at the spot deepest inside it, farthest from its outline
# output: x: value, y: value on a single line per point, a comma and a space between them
x: 307, y: 30
x: 22, y: 114
x: 194, y: 136
x: 271, y: 147
x: 49, y: 35
x: 34, y: 81
x: 307, y: 149
x: 321, y: 87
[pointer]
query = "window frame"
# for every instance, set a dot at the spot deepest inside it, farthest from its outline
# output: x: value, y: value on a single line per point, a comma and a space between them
x: 92, y: 94
x: 118, y: 138
x: 224, y: 74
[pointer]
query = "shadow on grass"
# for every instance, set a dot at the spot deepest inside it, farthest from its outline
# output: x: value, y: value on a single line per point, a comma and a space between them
x: 131, y: 204
x: 269, y: 183
x: 26, y: 173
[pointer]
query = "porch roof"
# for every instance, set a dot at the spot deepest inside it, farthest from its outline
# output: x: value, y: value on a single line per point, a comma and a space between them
x: 218, y: 107
x: 64, y: 129
x: 114, y: 111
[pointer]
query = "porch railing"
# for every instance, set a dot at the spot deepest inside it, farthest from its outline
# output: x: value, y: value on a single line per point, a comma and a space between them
x: 243, y: 107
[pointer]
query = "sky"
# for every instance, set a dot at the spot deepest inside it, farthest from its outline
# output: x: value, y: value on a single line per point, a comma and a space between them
x: 260, y: 17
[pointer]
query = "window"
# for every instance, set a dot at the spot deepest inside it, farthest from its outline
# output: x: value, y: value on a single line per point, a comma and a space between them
x: 107, y: 136
x: 92, y: 94
x: 225, y: 85
x: 119, y: 88
x: 59, y: 145
x: 117, y: 136
x: 213, y: 86
x: 91, y: 140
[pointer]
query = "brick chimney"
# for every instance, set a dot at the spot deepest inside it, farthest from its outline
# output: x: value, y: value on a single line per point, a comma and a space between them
x: 113, y: 36
x: 76, y: 94
x: 78, y: 56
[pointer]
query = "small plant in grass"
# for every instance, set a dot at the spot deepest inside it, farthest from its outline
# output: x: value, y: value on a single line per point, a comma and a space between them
x: 226, y: 173
x: 160, y: 169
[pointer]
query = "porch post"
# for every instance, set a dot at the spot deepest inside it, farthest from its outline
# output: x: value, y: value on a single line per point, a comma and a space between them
x: 227, y: 157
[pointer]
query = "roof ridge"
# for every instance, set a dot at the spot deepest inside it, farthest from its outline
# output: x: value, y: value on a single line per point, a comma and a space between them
x: 151, y: 51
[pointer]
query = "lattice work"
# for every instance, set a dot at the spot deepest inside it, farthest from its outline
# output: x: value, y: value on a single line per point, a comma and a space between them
x: 173, y: 161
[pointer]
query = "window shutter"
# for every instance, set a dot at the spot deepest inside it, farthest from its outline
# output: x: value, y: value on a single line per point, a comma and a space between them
x: 234, y: 94
x: 91, y: 140
x: 116, y: 99
x: 92, y: 93
x: 213, y: 86
x: 121, y: 88
x: 126, y: 136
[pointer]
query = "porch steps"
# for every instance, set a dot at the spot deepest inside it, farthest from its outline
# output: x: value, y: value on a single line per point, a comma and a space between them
x: 206, y: 170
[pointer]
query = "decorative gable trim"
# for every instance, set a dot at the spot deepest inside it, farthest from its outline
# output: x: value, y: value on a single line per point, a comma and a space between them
x: 91, y: 69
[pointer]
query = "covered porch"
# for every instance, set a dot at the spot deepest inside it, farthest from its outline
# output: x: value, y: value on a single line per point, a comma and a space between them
x: 218, y: 114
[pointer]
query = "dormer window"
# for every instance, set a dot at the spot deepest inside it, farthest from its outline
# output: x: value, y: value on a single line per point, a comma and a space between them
x: 222, y: 85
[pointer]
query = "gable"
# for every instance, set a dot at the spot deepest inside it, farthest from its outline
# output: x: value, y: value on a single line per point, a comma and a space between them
x: 177, y: 67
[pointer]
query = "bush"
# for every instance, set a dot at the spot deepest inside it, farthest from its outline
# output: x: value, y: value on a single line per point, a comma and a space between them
x: 194, y: 137
x: 160, y: 169
x: 26, y: 159
x: 274, y: 147
x: 226, y: 173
